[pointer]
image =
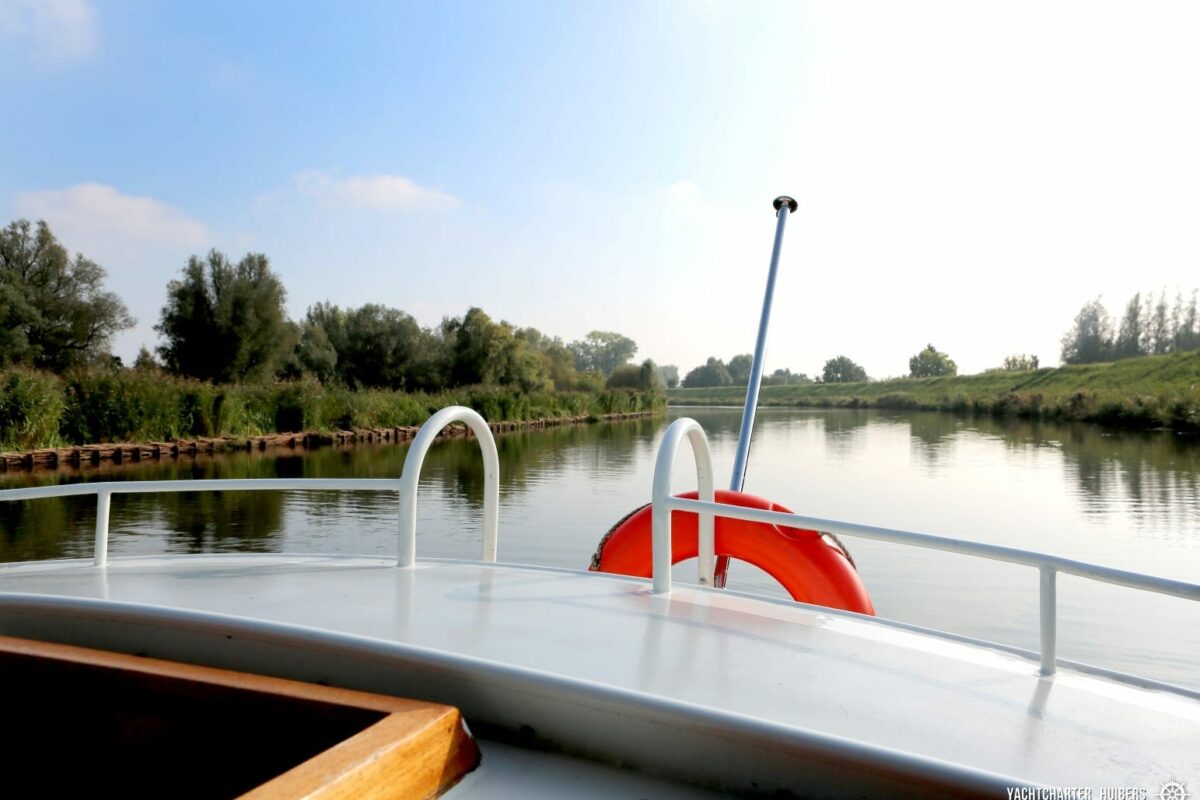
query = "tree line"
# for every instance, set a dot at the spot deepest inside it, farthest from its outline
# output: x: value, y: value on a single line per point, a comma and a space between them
x: 225, y: 322
x: 1147, y: 327
x: 928, y: 363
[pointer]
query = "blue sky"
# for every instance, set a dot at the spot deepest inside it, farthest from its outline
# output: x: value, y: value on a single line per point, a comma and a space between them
x: 968, y: 174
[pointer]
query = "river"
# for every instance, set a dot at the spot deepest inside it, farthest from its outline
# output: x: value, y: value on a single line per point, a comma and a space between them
x: 1127, y: 500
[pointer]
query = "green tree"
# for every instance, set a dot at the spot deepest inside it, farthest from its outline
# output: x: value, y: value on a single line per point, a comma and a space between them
x: 670, y: 375
x: 225, y: 322
x: 842, y: 370
x: 1020, y: 363
x: 145, y: 361
x: 626, y: 376
x: 785, y: 377
x: 1131, y: 336
x: 381, y: 347
x: 930, y: 363
x: 1090, y: 339
x: 712, y: 373
x: 315, y: 352
x: 1187, y: 325
x: 644, y: 376
x: 739, y: 368
x: 559, y: 361
x: 1160, y: 335
x: 54, y: 311
x: 603, y: 351
x: 487, y: 352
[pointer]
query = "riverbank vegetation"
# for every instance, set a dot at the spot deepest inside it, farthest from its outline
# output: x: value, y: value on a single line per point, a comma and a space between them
x: 1146, y: 392
x: 39, y: 409
x: 231, y: 362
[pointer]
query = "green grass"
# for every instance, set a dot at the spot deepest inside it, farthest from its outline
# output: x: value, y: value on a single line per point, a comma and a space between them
x: 40, y: 409
x: 1146, y: 392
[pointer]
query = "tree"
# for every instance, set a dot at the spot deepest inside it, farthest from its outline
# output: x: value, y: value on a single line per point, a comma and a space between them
x: 785, y: 377
x: 1091, y: 337
x: 315, y: 352
x: 842, y: 370
x: 929, y: 363
x: 670, y: 375
x: 1160, y: 336
x: 144, y: 362
x: 54, y: 311
x: 381, y: 347
x: 225, y: 322
x: 1131, y: 335
x: 487, y: 352
x: 1187, y: 330
x: 713, y: 373
x: 603, y: 351
x: 631, y: 376
x: 739, y: 368
x: 559, y: 361
x: 1020, y: 363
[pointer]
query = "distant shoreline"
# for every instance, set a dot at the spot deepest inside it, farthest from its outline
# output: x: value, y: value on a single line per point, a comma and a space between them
x: 1138, y: 393
x: 135, y: 453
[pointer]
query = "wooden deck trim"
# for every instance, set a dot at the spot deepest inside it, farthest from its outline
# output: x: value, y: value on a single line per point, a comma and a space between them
x: 417, y: 751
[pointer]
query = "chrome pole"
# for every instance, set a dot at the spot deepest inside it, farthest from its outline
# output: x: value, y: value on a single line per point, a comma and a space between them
x: 783, y: 205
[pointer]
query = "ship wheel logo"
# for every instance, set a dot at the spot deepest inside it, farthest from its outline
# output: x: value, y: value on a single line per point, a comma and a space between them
x: 1172, y: 790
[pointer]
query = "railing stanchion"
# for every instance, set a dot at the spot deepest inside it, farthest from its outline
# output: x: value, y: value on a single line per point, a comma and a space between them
x: 1048, y: 606
x: 660, y: 499
x: 103, y: 504
x: 411, y: 475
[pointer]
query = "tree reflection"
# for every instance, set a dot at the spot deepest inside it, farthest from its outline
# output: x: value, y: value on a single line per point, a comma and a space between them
x: 931, y: 435
x: 1155, y: 476
x: 844, y: 429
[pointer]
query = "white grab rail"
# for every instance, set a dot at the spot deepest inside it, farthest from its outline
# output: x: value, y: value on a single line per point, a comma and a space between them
x: 411, y: 474
x: 660, y: 519
x: 1048, y: 566
x: 406, y: 485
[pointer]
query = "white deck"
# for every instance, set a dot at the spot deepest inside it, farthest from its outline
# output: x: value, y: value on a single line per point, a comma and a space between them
x: 752, y: 694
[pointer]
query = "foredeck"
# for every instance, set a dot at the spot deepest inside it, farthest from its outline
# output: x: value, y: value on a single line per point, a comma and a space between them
x: 599, y: 665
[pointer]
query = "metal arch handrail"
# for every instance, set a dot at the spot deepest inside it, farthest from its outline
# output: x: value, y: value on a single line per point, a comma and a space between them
x: 660, y: 519
x: 1048, y: 566
x: 411, y: 474
x: 406, y: 485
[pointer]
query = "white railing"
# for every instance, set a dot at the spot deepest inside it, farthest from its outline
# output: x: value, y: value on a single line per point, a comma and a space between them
x: 411, y: 474
x: 1049, y: 566
x: 661, y: 512
x: 406, y: 485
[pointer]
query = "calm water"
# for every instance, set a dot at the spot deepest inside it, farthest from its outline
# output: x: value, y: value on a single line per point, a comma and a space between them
x: 1124, y: 500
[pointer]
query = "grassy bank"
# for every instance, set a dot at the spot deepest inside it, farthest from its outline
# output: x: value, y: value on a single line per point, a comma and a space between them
x: 39, y: 409
x: 1146, y: 392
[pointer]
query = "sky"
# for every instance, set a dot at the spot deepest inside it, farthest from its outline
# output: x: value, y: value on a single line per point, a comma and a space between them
x: 968, y: 174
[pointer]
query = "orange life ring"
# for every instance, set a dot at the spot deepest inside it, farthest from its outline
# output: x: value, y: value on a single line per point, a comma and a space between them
x: 812, y: 569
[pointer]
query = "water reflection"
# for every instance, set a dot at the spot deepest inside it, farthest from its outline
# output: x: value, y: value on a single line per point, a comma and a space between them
x: 844, y: 431
x: 1153, y: 478
x: 932, y: 437
x: 255, y: 521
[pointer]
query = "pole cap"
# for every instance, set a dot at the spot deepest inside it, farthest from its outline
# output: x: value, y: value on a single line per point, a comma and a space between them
x: 782, y: 199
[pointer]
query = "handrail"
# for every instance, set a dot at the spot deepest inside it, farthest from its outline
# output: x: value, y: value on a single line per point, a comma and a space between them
x: 411, y: 474
x: 406, y: 484
x: 1048, y: 566
x: 660, y: 519
x: 104, y: 490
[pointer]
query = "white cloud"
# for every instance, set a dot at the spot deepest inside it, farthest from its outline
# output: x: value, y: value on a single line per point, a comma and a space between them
x: 56, y: 32
x: 97, y: 219
x: 390, y: 192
